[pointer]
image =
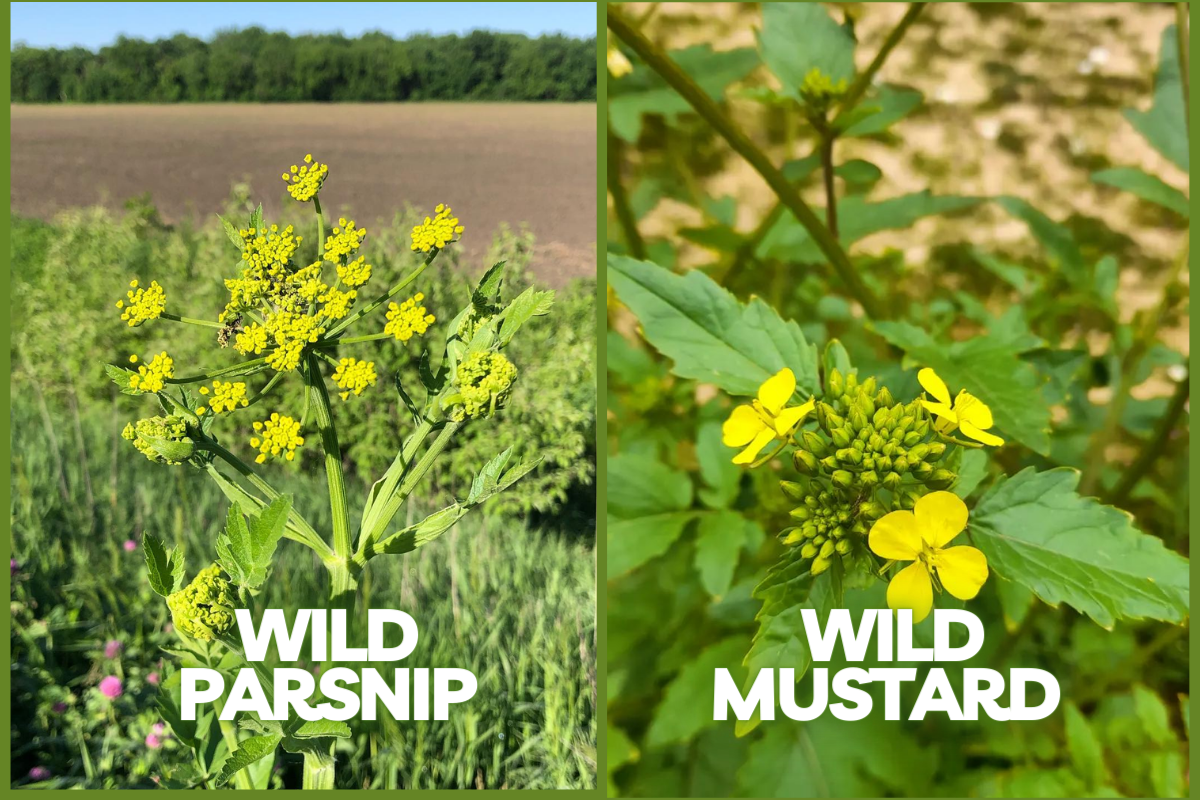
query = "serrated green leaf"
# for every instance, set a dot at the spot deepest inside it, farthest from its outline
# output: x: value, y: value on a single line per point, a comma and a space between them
x: 682, y: 713
x: 322, y: 727
x: 1057, y: 240
x: 709, y: 335
x: 648, y: 508
x: 643, y: 91
x: 485, y: 481
x: 799, y: 37
x: 1165, y: 124
x: 164, y: 567
x: 120, y: 376
x: 256, y: 219
x: 231, y: 231
x: 1145, y: 186
x: 720, y: 537
x: 988, y: 367
x: 526, y: 305
x: 1035, y: 530
x: 422, y: 533
x: 488, y: 287
x: 249, y: 751
x: 1087, y: 755
x: 720, y: 475
x: 245, y: 550
x: 889, y: 105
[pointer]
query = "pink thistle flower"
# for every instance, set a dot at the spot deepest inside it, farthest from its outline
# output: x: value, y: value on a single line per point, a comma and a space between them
x: 59, y: 707
x: 112, y: 648
x: 130, y: 545
x: 153, y: 742
x: 153, y: 679
x: 39, y: 774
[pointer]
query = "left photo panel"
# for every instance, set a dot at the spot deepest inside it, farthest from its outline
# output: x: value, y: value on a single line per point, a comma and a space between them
x: 303, y: 396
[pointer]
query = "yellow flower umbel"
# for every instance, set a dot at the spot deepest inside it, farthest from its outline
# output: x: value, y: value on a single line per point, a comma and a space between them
x: 276, y: 436
x: 204, y: 608
x: 408, y: 318
x: 354, y: 376
x: 305, y: 181
x: 144, y: 304
x: 768, y: 417
x: 226, y: 396
x: 967, y: 412
x: 437, y: 232
x: 921, y: 536
x: 152, y: 377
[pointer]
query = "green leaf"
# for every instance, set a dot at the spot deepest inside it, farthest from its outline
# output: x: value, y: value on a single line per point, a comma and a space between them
x: 971, y: 472
x: 648, y: 506
x: 249, y: 751
x: 644, y: 92
x: 484, y: 483
x: 422, y: 533
x: 889, y: 105
x: 245, y: 551
x: 836, y: 357
x: 685, y: 709
x: 413, y: 410
x: 1145, y: 186
x: 231, y: 231
x: 1087, y: 755
x: 526, y: 305
x: 120, y: 376
x: 988, y: 367
x: 322, y: 727
x: 858, y: 173
x: 719, y: 539
x: 709, y: 335
x: 1058, y: 242
x: 1165, y: 124
x: 256, y: 219
x: 488, y: 287
x: 799, y: 37
x: 165, y: 567
x: 788, y: 240
x: 1035, y: 530
x: 720, y: 475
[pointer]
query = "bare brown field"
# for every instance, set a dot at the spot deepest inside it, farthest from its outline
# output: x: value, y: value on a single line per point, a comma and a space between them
x: 494, y: 163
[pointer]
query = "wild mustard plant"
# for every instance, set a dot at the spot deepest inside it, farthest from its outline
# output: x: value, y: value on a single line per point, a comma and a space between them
x: 291, y: 320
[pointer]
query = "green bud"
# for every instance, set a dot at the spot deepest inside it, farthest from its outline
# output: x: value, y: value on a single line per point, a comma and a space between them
x: 876, y: 442
x: 936, y: 450
x: 851, y: 382
x: 842, y: 478
x: 904, y: 424
x: 163, y: 440
x: 841, y: 437
x: 835, y: 420
x: 835, y: 384
x: 830, y: 462
x: 809, y: 550
x: 883, y: 464
x: 838, y: 532
x: 871, y: 509
x: 941, y: 479
x: 923, y: 470
x: 204, y: 608
x: 922, y: 427
x: 892, y: 481
x: 793, y: 490
x: 815, y: 444
x: 844, y: 547
x: 867, y: 405
x: 858, y: 418
x: 868, y: 462
x: 912, y: 438
x: 805, y: 463
x: 793, y: 537
x: 869, y: 478
x: 827, y: 549
x: 819, y: 565
x: 818, y: 540
x: 888, y: 449
x: 909, y: 500
x: 884, y: 398
x: 854, y: 455
x: 801, y: 513
x: 880, y: 419
x: 868, y: 386
x: 809, y: 530
x: 918, y: 452
x: 900, y: 465
x: 811, y: 501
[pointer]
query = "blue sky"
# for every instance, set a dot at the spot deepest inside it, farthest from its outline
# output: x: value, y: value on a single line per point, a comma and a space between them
x: 93, y: 25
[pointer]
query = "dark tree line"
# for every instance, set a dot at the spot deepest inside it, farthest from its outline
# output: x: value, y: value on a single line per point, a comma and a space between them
x: 253, y: 65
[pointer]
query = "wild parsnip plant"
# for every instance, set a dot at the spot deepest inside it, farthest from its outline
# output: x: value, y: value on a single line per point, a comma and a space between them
x: 291, y: 321
x: 799, y: 424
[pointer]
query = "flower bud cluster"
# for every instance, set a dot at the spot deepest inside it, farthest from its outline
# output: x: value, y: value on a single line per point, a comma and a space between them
x: 163, y: 440
x: 484, y: 382
x: 204, y: 608
x: 870, y: 455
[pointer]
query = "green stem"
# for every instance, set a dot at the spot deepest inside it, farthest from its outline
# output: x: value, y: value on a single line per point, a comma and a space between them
x: 208, y: 323
x: 342, y: 590
x: 397, y: 498
x: 863, y: 81
x: 625, y: 218
x: 827, y: 138
x: 265, y: 390
x: 395, y: 473
x: 245, y: 368
x: 383, y: 298
x: 241, y: 778
x: 318, y: 770
x: 1154, y: 446
x: 370, y: 337
x: 320, y: 228
x: 655, y: 58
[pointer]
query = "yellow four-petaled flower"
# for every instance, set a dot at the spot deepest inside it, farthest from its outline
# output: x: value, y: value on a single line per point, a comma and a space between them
x: 966, y: 412
x: 921, y: 536
x: 768, y: 417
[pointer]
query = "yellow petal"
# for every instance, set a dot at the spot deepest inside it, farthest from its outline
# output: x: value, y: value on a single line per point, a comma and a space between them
x: 940, y: 517
x: 972, y: 432
x: 962, y: 571
x: 741, y: 427
x: 895, y: 536
x: 751, y: 452
x: 912, y: 588
x: 777, y: 390
x: 970, y: 408
x: 940, y: 409
x: 789, y: 418
x: 931, y: 383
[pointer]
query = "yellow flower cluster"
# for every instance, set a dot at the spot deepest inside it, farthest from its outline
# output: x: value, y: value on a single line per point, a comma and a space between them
x: 144, y: 304
x: 305, y: 181
x: 204, y: 608
x: 354, y: 376
x: 153, y: 376
x: 484, y: 383
x: 355, y: 273
x: 163, y: 440
x: 275, y: 436
x: 408, y: 318
x: 226, y: 396
x: 437, y: 232
x: 344, y: 240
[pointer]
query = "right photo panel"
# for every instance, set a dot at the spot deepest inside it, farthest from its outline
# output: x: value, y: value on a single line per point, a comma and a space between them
x: 897, y: 400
